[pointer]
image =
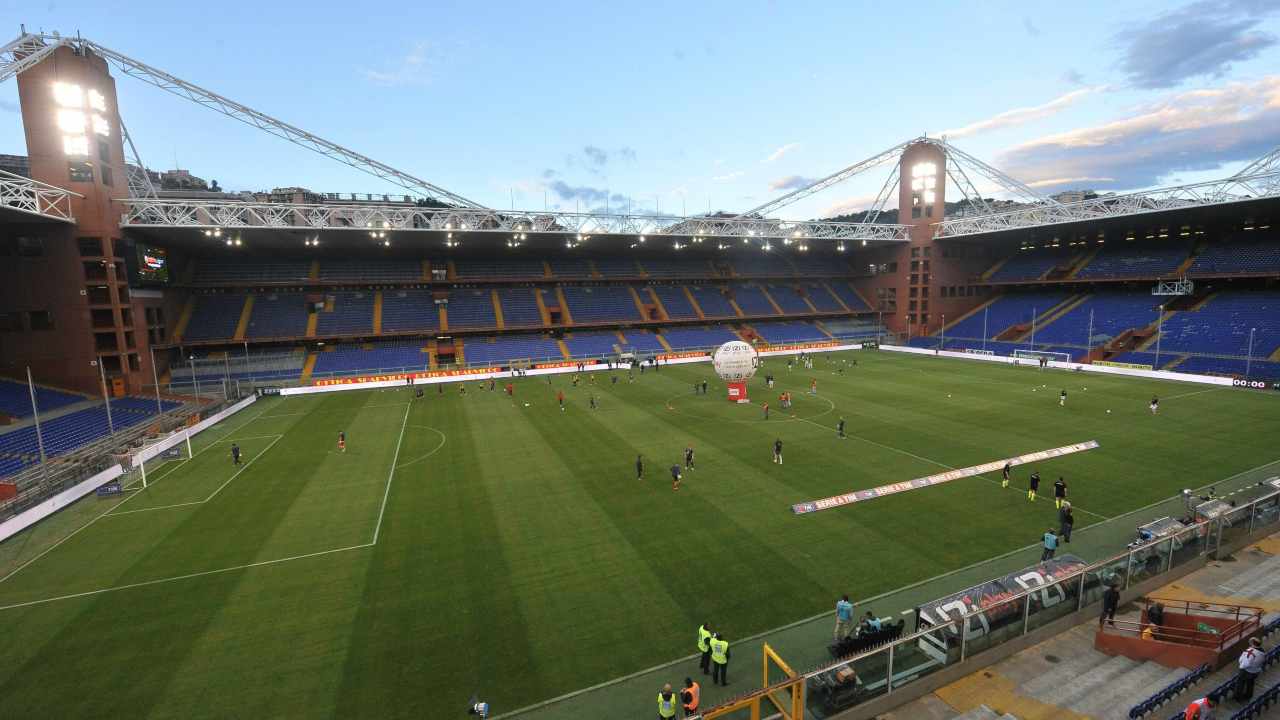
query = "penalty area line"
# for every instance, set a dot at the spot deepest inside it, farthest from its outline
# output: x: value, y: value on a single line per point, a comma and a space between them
x: 188, y: 576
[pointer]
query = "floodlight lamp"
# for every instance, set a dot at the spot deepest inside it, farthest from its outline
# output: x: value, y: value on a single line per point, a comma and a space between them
x: 864, y: 243
x: 71, y: 121
x: 68, y: 95
x: 641, y: 238
x: 75, y: 145
x: 238, y: 243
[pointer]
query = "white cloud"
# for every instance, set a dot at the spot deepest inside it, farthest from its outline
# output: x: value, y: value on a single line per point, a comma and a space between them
x: 414, y: 68
x: 1020, y: 116
x: 1050, y: 182
x: 854, y: 204
x: 777, y: 154
x: 1193, y: 130
x: 791, y: 182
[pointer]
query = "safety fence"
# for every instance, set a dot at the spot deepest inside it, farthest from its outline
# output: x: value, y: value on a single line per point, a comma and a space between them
x: 963, y: 631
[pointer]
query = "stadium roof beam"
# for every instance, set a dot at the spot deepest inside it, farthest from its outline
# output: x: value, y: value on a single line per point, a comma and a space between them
x: 32, y: 197
x: 149, y: 212
x: 140, y: 185
x: 1215, y: 192
x: 28, y: 50
x: 957, y: 160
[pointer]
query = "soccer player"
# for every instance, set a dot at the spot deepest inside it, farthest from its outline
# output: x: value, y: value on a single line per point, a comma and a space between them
x: 704, y: 387
x: 1035, y: 486
x: 560, y: 399
x: 235, y: 454
x: 1155, y: 405
x: 1059, y: 492
x: 813, y: 386
x: 765, y: 407
x: 840, y: 429
x: 675, y: 477
x: 1004, y: 472
x: 1066, y: 521
x: 688, y: 457
x: 777, y: 451
x: 592, y: 399
x: 1062, y: 398
x: 639, y: 467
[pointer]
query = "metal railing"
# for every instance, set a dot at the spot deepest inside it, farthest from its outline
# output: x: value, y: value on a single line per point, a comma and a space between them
x: 890, y: 667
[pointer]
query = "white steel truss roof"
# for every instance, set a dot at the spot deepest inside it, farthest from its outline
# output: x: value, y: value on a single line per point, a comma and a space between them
x: 28, y: 50
x: 35, y: 198
x: 1216, y: 192
x: 148, y: 212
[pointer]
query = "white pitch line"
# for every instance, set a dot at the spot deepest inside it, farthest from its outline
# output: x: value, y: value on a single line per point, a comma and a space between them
x: 932, y: 462
x: 75, y: 532
x: 1189, y: 394
x: 188, y: 576
x: 391, y: 474
x: 211, y: 495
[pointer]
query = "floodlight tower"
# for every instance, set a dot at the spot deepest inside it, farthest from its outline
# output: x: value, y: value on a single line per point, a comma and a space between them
x: 909, y: 279
x: 75, y: 284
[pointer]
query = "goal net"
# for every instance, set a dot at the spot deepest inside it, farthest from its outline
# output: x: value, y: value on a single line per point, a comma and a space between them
x: 1038, y: 354
x: 176, y: 447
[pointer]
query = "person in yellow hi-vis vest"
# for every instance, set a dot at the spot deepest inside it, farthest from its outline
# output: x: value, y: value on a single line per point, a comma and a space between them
x: 704, y: 647
x: 719, y: 660
x: 667, y: 703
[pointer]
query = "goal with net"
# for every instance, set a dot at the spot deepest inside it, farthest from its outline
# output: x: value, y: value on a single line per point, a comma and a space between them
x: 1038, y: 354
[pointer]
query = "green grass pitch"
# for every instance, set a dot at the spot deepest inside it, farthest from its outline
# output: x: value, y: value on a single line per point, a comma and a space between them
x: 475, y: 544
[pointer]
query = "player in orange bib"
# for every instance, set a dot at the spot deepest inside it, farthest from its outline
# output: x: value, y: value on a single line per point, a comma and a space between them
x: 342, y: 442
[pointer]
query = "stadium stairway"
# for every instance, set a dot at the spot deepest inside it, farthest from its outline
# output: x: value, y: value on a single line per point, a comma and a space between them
x: 565, y: 315
x: 764, y: 290
x: 657, y: 302
x: 1065, y: 677
x: 497, y: 308
x: 564, y: 349
x: 635, y: 298
x: 542, y: 307
x: 692, y: 301
x: 1082, y: 263
x: 444, y: 316
x: 377, y: 313
x: 184, y: 319
x: 242, y: 326
x: 737, y: 310
x: 1151, y: 331
x: 307, y: 368
x: 995, y: 268
x: 983, y: 306
x: 1071, y: 303
x: 663, y: 341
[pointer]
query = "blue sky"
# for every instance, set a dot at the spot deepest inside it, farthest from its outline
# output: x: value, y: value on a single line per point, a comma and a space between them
x: 690, y: 105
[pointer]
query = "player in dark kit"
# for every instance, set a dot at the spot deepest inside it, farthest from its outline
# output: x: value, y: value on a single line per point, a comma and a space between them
x: 688, y: 458
x: 675, y: 477
x: 235, y: 454
x: 1035, y: 486
x: 1059, y: 492
x: 342, y: 442
x: 777, y: 451
x: 639, y: 467
x: 840, y: 429
x: 1004, y: 483
x: 1062, y: 399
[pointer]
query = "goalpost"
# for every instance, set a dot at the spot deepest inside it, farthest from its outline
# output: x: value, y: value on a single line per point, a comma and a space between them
x: 175, y: 447
x: 1038, y: 354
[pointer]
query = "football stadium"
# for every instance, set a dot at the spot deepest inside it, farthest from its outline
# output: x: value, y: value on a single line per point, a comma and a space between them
x: 973, y: 450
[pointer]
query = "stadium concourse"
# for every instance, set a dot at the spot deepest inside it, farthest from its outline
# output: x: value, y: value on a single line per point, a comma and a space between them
x: 1067, y: 677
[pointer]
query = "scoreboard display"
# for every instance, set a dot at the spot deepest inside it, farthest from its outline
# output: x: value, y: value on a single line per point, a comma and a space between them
x: 150, y: 265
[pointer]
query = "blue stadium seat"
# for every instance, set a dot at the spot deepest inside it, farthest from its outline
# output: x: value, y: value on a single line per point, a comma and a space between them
x: 278, y: 315
x: 15, y: 399
x: 673, y: 299
x: 214, y: 317
x: 352, y: 314
x: 407, y: 310
x: 601, y: 304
